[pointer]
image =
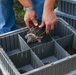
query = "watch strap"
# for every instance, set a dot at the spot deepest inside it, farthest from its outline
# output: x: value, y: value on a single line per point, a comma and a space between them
x: 28, y: 8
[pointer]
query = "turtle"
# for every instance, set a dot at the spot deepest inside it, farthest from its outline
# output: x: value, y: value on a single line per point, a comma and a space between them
x: 35, y: 34
x: 46, y: 62
x: 22, y: 71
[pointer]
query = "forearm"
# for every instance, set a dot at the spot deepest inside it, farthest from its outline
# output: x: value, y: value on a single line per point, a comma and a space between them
x: 49, y: 5
x: 26, y: 3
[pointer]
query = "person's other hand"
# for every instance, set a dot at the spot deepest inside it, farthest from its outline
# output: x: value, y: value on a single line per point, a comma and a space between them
x: 48, y: 19
x: 30, y: 16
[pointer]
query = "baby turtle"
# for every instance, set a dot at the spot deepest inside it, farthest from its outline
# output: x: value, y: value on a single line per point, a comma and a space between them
x: 22, y: 71
x: 35, y: 34
x: 70, y: 50
x: 46, y: 62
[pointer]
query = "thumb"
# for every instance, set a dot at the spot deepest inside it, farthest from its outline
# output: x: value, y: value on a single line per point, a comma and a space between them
x: 42, y: 25
x: 35, y: 22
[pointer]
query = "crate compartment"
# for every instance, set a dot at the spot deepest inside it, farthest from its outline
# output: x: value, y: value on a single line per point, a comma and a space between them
x: 68, y: 43
x: 15, y: 44
x: 60, y: 30
x: 49, y: 60
x: 23, y: 32
x: 45, y: 39
x: 50, y: 52
x: 9, y: 42
x: 25, y: 61
x: 25, y: 69
x: 68, y: 18
x: 67, y: 6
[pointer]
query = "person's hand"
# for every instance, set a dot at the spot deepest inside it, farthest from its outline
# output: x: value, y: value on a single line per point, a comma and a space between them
x: 30, y: 17
x: 48, y: 19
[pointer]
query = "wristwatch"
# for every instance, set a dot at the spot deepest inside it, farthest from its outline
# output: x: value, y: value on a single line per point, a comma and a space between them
x: 28, y: 8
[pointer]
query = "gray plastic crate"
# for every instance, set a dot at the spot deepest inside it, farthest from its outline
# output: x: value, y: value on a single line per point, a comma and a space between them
x: 67, y: 6
x: 10, y: 59
x: 68, y: 43
x: 68, y: 18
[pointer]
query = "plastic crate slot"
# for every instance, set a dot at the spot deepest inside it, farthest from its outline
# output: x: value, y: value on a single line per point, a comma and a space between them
x: 46, y: 38
x: 68, y: 43
x: 20, y: 47
x: 27, y: 62
x: 50, y: 52
x: 60, y: 30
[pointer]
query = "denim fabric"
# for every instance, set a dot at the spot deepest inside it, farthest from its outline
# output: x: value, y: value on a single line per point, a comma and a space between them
x: 38, y: 7
x: 7, y: 17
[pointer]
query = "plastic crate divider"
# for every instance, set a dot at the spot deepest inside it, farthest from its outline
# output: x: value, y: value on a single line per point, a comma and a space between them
x: 63, y: 40
x: 60, y: 52
x: 35, y: 60
x: 23, y: 33
x: 74, y: 41
x: 50, y: 52
x: 68, y: 43
x: 23, y: 44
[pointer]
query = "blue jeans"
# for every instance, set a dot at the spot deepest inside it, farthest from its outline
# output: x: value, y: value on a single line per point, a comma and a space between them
x: 7, y: 17
x: 38, y: 7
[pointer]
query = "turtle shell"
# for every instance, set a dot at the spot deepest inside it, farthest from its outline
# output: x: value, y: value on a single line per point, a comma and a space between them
x: 35, y: 34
